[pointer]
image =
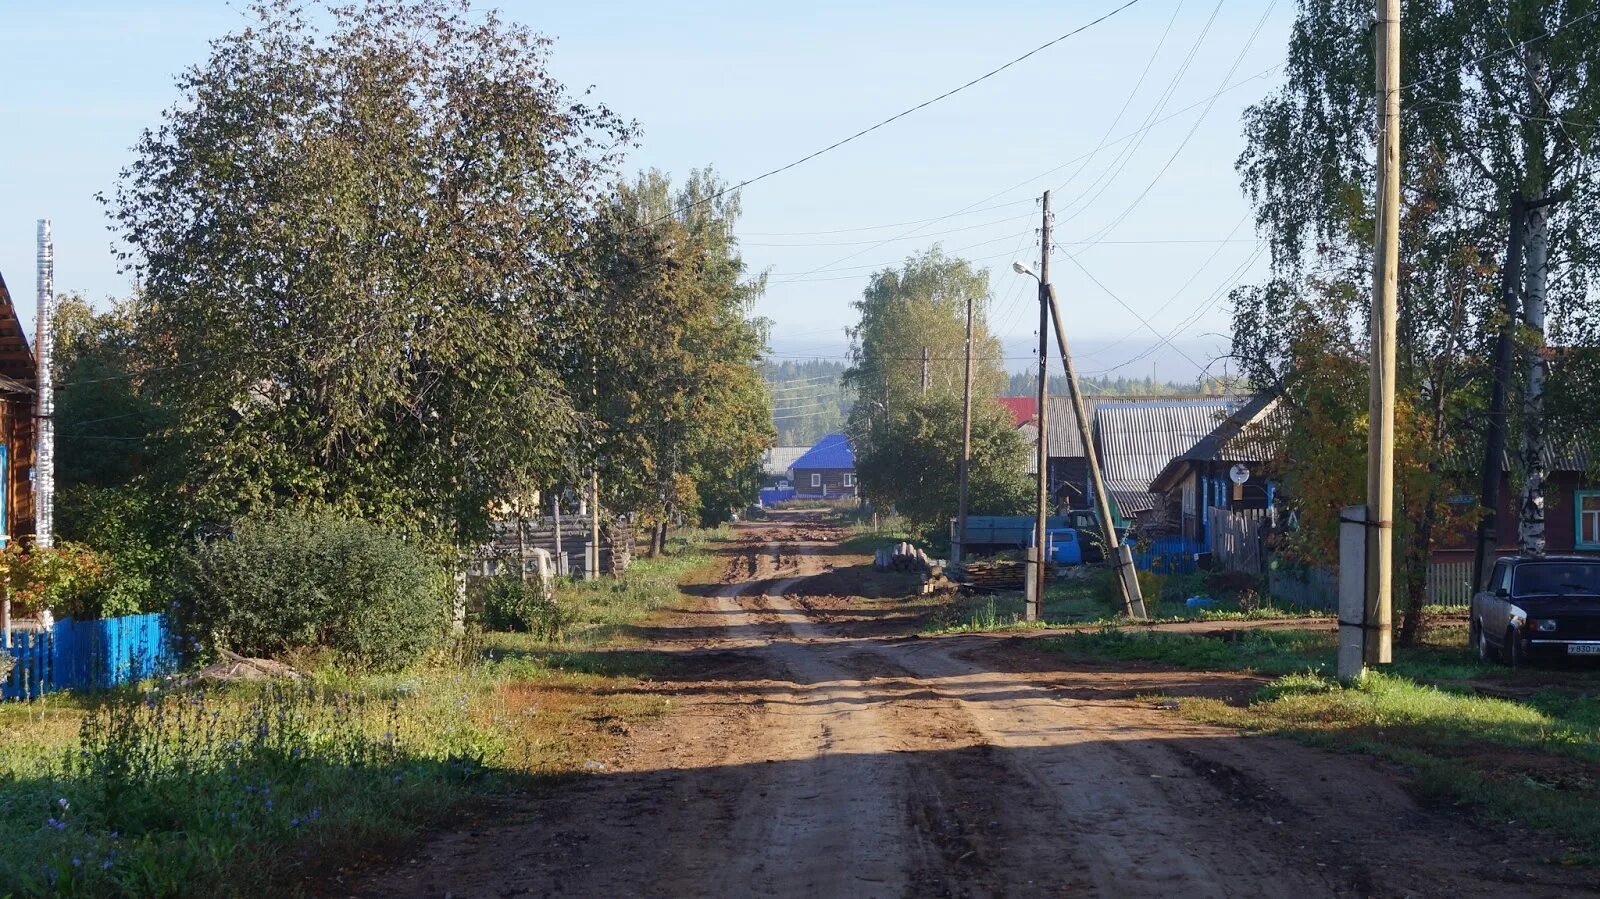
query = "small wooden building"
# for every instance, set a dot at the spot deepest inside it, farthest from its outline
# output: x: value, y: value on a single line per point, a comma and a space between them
x: 827, y: 470
x: 18, y: 423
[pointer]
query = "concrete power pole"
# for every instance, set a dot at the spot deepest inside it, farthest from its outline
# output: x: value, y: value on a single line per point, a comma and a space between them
x: 966, y: 441
x: 1376, y: 648
x: 592, y: 570
x: 1035, y: 603
x: 44, y: 466
x: 926, y: 372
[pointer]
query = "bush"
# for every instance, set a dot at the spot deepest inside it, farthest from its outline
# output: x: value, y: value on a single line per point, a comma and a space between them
x: 1232, y: 584
x: 288, y: 582
x: 510, y: 604
x: 54, y: 578
x: 1108, y: 591
x: 135, y: 531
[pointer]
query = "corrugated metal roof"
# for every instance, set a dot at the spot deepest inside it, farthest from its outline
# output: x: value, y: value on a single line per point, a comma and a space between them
x: 832, y: 451
x: 777, y: 461
x: 1137, y: 440
x: 1065, y: 441
x: 1131, y: 495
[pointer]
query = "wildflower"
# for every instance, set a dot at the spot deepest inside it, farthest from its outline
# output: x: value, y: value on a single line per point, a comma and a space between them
x: 61, y: 802
x: 106, y: 865
x: 269, y: 805
x: 77, y: 862
x: 316, y: 813
x: 294, y: 822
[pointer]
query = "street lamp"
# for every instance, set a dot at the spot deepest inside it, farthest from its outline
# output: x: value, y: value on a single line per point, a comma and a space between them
x: 1022, y: 268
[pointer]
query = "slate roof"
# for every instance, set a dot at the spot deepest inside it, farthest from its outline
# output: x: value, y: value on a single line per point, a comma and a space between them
x: 832, y: 451
x: 1251, y: 432
x: 1137, y: 440
x: 776, y: 461
x: 16, y: 360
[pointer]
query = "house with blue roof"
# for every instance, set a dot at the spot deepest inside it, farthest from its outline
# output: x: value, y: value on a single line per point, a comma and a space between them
x: 827, y: 470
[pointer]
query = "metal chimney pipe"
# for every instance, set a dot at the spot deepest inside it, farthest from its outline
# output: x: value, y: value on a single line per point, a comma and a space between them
x: 44, y: 468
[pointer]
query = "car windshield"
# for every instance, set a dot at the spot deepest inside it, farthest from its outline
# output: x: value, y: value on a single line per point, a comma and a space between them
x: 1557, y: 578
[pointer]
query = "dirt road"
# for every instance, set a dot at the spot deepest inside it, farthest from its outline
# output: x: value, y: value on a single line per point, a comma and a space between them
x: 818, y: 750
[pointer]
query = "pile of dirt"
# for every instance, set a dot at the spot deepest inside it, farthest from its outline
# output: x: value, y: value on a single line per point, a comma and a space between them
x: 235, y: 667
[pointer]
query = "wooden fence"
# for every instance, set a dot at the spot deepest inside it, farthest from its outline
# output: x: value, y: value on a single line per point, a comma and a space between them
x: 1449, y: 584
x: 88, y: 655
x: 1235, y: 539
x: 616, y: 545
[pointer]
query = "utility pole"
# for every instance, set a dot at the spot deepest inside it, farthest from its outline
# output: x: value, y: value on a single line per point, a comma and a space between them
x: 966, y: 440
x: 1127, y: 576
x: 1494, y: 453
x: 593, y: 568
x: 44, y: 467
x: 555, y: 508
x: 925, y: 370
x: 522, y: 545
x: 1035, y: 603
x: 1376, y: 628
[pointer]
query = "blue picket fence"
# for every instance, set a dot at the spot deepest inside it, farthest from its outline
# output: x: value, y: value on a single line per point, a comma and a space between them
x: 1169, y: 555
x: 770, y: 495
x: 88, y: 655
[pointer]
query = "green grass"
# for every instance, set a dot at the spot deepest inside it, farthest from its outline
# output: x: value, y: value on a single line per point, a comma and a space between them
x: 1511, y: 745
x: 1090, y: 601
x: 251, y: 788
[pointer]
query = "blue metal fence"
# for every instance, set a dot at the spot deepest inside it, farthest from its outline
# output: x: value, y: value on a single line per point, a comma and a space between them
x: 1168, y: 555
x: 770, y: 495
x: 88, y: 655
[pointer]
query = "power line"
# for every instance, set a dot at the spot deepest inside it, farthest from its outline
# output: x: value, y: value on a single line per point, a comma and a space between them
x: 1074, y: 260
x: 897, y: 116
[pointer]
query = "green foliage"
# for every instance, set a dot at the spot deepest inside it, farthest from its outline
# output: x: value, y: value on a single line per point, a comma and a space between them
x: 287, y: 582
x: 511, y: 604
x: 136, y: 534
x: 912, y: 461
x: 678, y: 387
x: 54, y: 578
x: 357, y: 231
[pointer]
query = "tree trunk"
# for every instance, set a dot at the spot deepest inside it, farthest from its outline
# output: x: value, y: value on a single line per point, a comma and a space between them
x: 522, y: 545
x: 661, y: 536
x: 655, y: 539
x: 1530, y: 526
x: 1494, y: 455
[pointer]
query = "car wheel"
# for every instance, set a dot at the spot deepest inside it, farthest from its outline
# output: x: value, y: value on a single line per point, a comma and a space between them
x: 1480, y: 641
x: 1511, y: 653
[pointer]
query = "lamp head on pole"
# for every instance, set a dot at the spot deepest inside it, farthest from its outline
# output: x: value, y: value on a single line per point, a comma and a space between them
x: 1023, y: 268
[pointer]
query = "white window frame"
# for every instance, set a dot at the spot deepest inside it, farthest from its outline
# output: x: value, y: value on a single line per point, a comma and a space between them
x: 849, y: 479
x: 816, y: 479
x: 1589, y: 515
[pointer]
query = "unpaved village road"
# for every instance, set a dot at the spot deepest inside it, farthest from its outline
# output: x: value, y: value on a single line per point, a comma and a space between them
x: 816, y: 749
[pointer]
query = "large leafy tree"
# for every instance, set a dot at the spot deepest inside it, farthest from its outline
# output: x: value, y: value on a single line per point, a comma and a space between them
x: 678, y: 392
x: 905, y: 447
x: 1492, y: 90
x: 362, y: 238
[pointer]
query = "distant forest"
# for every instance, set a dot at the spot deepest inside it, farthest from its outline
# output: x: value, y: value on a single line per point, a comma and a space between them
x: 1026, y: 384
x: 807, y: 399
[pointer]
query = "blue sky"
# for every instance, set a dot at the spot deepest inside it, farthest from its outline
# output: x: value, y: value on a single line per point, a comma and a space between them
x: 746, y: 87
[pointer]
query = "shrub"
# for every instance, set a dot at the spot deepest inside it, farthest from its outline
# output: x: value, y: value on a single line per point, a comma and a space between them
x: 1108, y: 591
x: 510, y: 604
x: 54, y: 578
x: 135, y: 531
x: 288, y: 582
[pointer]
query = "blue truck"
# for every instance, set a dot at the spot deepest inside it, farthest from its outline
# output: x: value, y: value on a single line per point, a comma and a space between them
x: 998, y: 533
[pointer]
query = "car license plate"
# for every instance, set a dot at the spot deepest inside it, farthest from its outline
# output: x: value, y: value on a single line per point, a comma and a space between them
x: 1583, y: 649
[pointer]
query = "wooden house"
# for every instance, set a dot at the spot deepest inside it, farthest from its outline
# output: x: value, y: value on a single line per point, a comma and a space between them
x: 1203, y: 478
x: 18, y: 423
x: 827, y: 470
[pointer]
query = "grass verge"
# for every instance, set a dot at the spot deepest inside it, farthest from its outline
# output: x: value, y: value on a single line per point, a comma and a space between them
x: 1514, y: 746
x: 256, y: 788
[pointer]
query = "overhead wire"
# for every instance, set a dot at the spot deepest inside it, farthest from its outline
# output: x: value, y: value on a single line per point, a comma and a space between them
x: 896, y: 117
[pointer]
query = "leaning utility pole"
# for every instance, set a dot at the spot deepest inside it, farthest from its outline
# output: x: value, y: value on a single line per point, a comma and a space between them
x: 1035, y: 603
x: 1494, y: 454
x: 1127, y: 576
x: 966, y: 441
x: 1376, y: 626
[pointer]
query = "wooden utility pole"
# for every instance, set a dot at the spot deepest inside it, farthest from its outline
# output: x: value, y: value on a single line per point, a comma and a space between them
x: 522, y: 545
x: 926, y: 373
x: 966, y: 439
x: 1494, y: 454
x: 1378, y: 606
x: 555, y: 509
x: 1127, y: 577
x: 1035, y: 603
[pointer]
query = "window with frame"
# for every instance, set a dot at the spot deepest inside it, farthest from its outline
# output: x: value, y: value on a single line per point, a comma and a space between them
x: 1586, y: 505
x: 816, y: 479
x: 849, y: 479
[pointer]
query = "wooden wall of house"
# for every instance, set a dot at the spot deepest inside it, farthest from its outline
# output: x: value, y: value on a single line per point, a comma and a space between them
x: 832, y: 482
x: 17, y: 424
x: 1560, y: 519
